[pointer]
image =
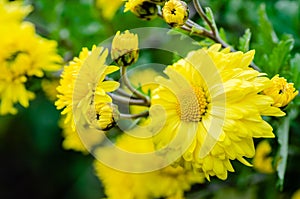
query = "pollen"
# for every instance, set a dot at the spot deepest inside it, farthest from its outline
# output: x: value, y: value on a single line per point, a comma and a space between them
x: 192, y: 104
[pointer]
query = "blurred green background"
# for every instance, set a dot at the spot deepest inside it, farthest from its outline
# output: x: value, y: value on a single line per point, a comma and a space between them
x: 33, y: 162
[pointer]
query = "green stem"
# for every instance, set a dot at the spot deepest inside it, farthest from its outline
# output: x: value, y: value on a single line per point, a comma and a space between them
x: 130, y: 87
x: 134, y: 116
x: 202, y: 32
x: 123, y: 93
x: 214, y: 30
x: 129, y: 101
x: 200, y: 11
x: 120, y: 91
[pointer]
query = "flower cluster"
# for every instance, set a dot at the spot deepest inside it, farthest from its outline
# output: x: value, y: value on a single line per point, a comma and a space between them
x: 157, y: 132
x: 196, y: 118
x: 24, y: 55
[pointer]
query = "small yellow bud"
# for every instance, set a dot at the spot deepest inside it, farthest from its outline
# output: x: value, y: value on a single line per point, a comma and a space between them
x: 103, y: 116
x: 124, y: 50
x: 281, y: 91
x: 175, y: 12
x: 143, y: 9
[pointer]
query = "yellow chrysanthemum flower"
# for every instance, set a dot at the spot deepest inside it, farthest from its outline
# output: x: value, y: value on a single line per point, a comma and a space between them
x: 142, y: 8
x: 261, y: 161
x: 83, y: 94
x: 108, y: 8
x: 169, y: 182
x: 213, y: 108
x: 22, y: 54
x: 175, y: 12
x: 124, y: 48
x: 13, y: 11
x: 281, y: 91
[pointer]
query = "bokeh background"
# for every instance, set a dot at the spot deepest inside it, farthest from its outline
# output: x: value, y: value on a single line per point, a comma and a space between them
x: 33, y: 161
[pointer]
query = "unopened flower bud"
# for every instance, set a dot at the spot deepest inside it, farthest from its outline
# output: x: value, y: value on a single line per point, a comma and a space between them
x: 106, y: 116
x: 124, y: 50
x: 175, y: 12
x: 142, y: 9
x: 281, y: 91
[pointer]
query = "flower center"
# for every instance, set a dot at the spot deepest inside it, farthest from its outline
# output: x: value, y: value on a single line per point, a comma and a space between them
x: 173, y: 11
x: 192, y: 105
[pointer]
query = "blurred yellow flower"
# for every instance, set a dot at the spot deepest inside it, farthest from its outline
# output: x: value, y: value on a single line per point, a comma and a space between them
x: 132, y: 4
x: 83, y: 142
x: 261, y: 161
x: 175, y: 12
x: 212, y: 98
x: 83, y: 94
x: 281, y: 91
x: 296, y: 194
x: 124, y: 48
x: 49, y: 88
x: 108, y: 8
x: 142, y: 8
x: 23, y: 54
x: 13, y: 11
x: 169, y: 182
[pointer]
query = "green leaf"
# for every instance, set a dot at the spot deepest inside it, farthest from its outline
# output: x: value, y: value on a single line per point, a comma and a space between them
x: 222, y: 34
x: 280, y: 55
x: 267, y: 36
x: 196, y: 30
x: 295, y: 70
x: 244, y: 41
x: 210, y: 16
x: 283, y: 140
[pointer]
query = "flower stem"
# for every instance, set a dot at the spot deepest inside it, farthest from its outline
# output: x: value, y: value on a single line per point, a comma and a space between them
x: 134, y: 116
x: 130, y: 101
x: 200, y: 11
x: 214, y: 30
x: 123, y: 93
x: 195, y: 29
x: 130, y: 87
